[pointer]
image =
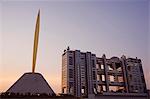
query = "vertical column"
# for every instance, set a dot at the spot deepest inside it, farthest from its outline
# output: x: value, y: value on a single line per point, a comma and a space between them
x: 67, y: 62
x: 89, y: 73
x: 77, y: 74
x: 64, y: 73
x: 124, y: 70
x: 142, y: 75
x: 115, y: 69
x: 106, y: 72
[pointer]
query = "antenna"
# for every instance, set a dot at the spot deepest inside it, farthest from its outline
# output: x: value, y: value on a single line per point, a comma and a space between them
x: 36, y: 39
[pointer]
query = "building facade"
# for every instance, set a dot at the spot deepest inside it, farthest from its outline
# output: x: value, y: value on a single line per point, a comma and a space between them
x: 76, y: 66
x: 83, y: 73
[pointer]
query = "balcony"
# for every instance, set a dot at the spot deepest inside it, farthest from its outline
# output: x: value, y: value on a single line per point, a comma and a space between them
x: 116, y: 83
x: 100, y: 71
x: 100, y: 82
x: 116, y: 72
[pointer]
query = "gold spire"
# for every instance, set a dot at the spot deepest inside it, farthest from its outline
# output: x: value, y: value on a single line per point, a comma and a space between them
x: 36, y: 38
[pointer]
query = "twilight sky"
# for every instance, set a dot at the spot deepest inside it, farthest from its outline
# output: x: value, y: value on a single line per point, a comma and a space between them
x: 113, y: 27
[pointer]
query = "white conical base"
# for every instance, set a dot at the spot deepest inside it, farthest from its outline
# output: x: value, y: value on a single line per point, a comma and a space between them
x: 33, y: 83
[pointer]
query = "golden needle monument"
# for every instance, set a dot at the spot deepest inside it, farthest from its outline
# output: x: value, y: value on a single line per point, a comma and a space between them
x: 33, y: 83
x: 36, y: 39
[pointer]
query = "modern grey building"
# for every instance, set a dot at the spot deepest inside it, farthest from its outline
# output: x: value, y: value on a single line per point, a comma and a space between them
x: 84, y: 74
x: 78, y: 73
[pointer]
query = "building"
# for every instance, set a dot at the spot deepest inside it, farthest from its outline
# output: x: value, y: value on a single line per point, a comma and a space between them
x: 120, y: 75
x: 135, y: 75
x: 148, y: 91
x: 84, y: 74
x: 76, y: 66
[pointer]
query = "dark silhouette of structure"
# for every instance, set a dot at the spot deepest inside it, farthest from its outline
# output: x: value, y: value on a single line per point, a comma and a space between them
x: 31, y: 83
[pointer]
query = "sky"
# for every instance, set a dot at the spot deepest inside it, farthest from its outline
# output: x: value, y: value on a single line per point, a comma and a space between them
x: 111, y: 27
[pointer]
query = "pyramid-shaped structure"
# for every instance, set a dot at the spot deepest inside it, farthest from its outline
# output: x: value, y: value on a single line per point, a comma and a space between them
x: 33, y: 83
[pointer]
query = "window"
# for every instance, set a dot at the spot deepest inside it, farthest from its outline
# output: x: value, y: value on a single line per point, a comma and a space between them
x: 141, y: 70
x: 70, y: 73
x: 98, y: 77
x: 102, y: 66
x: 131, y: 87
x: 130, y: 77
x: 118, y: 64
x: 120, y: 79
x: 104, y: 88
x: 93, y: 63
x: 110, y: 67
x: 97, y: 65
x: 70, y: 61
x: 113, y: 88
x: 94, y: 75
x: 129, y: 68
x: 64, y: 90
x: 95, y: 91
x: 71, y: 87
x: 112, y: 78
x: 83, y: 90
x: 103, y: 77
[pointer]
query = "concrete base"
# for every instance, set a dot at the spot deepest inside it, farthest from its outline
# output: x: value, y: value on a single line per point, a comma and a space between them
x: 91, y: 96
x: 120, y: 97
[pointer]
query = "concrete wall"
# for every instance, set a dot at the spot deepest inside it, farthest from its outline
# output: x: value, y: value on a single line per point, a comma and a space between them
x: 96, y: 97
x: 121, y: 97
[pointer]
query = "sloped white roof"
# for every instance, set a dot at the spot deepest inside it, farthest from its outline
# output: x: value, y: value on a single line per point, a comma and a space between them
x: 31, y: 83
